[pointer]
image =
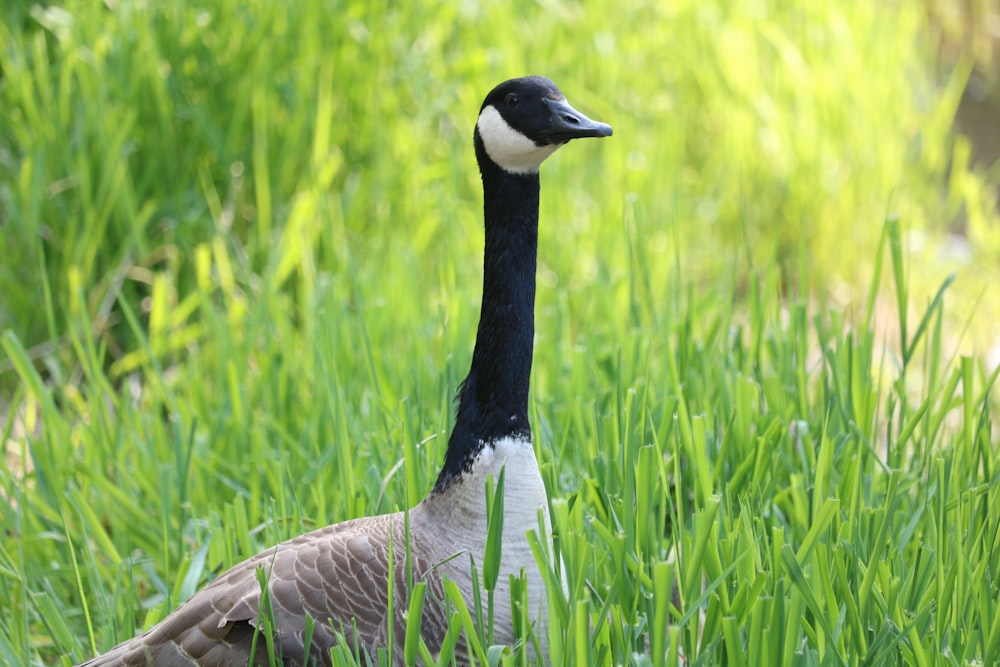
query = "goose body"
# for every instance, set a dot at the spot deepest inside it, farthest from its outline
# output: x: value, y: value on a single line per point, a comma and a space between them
x: 339, y: 575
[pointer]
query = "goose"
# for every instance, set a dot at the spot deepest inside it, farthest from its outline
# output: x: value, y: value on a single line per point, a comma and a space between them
x: 339, y: 575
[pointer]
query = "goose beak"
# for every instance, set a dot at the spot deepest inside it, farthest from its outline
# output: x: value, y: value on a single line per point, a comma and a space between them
x: 567, y: 123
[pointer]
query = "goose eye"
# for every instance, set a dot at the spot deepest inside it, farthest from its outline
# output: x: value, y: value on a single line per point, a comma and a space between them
x: 511, y: 100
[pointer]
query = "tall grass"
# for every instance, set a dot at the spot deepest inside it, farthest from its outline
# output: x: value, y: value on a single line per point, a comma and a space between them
x: 241, y: 270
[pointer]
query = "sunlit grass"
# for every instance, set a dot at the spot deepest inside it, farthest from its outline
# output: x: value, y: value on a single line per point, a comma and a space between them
x: 241, y: 251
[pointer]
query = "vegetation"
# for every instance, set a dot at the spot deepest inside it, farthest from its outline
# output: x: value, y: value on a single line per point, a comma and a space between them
x: 241, y: 248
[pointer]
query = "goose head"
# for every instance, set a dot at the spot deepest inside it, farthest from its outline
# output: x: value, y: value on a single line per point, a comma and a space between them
x: 523, y: 121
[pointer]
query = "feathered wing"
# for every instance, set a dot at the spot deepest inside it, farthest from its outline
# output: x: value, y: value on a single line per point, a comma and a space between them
x: 336, y: 575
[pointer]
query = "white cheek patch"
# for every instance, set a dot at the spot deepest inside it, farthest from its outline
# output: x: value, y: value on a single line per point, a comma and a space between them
x: 511, y: 150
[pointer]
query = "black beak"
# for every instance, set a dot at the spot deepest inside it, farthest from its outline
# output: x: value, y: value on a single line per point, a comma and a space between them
x: 568, y: 123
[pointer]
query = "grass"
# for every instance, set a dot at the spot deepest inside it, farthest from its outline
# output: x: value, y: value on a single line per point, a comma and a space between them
x: 241, y: 277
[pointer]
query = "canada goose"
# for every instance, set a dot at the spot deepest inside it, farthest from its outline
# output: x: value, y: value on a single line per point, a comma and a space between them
x: 339, y: 575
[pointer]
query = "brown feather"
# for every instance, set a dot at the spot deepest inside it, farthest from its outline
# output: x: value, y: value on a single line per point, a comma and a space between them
x: 337, y: 575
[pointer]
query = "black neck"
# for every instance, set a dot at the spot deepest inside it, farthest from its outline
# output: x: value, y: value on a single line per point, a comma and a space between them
x: 493, y: 399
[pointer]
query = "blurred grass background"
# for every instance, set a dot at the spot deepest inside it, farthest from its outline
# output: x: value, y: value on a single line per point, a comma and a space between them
x: 236, y: 236
x: 133, y: 133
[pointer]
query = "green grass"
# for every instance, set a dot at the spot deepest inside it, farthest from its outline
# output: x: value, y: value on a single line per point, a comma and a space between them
x: 241, y: 251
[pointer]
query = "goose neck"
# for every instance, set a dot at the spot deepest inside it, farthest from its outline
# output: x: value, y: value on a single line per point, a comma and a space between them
x: 493, y: 399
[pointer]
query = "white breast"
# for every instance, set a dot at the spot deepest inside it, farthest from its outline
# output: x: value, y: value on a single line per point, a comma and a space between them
x: 454, y: 521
